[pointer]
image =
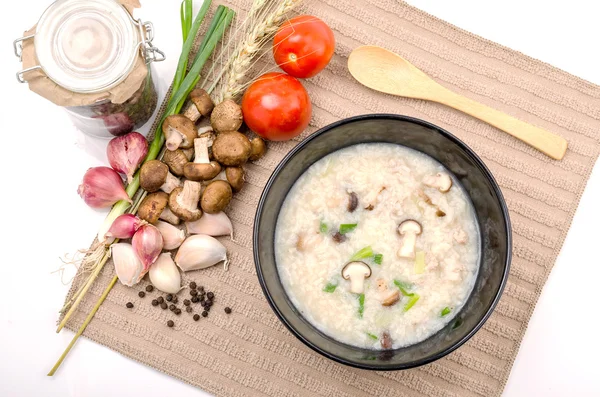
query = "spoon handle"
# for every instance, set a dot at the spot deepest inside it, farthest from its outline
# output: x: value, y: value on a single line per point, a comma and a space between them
x: 544, y: 141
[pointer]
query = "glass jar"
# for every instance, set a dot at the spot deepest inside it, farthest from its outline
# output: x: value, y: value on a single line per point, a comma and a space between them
x: 97, y: 52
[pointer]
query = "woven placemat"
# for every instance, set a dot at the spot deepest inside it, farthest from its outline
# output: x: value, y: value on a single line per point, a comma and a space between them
x: 249, y: 352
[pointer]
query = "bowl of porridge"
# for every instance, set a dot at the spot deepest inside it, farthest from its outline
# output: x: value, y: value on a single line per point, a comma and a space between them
x: 382, y: 242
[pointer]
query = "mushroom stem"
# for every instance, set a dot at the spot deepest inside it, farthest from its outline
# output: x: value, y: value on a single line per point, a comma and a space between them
x: 190, y: 195
x: 357, y: 285
x: 174, y: 139
x: 171, y: 183
x: 169, y: 216
x: 192, y: 112
x: 201, y: 151
x: 407, y: 249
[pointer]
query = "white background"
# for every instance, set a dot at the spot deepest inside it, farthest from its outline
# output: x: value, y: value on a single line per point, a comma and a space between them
x: 44, y: 158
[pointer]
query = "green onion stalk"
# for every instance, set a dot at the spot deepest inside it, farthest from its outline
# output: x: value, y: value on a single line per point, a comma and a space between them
x: 182, y: 85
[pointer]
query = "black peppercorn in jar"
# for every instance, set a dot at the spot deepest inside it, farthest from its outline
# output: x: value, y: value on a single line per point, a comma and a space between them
x: 92, y: 58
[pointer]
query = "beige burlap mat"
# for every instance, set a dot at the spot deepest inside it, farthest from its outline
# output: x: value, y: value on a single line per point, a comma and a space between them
x: 249, y: 353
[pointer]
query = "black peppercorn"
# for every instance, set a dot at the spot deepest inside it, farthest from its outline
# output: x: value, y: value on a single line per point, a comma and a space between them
x: 161, y: 300
x: 207, y: 308
x: 163, y: 306
x: 172, y: 307
x: 228, y: 310
x: 169, y: 297
x: 193, y: 292
x: 154, y: 302
x: 175, y: 300
x: 170, y: 323
x: 209, y: 303
x: 149, y: 288
x: 141, y: 294
x: 210, y: 295
x: 186, y: 302
x: 204, y: 313
x: 193, y: 285
x: 201, y: 289
x: 196, y: 317
x: 203, y: 303
x: 129, y: 305
x: 195, y: 299
x: 177, y: 311
x: 188, y: 309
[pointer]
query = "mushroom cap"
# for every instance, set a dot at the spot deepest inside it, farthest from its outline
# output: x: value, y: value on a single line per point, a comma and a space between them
x: 152, y: 175
x: 201, y: 99
x: 201, y: 172
x: 356, y: 268
x: 152, y: 206
x: 175, y: 160
x: 235, y: 177
x: 231, y: 149
x: 186, y: 214
x: 177, y: 123
x: 259, y: 147
x: 410, y: 226
x: 442, y: 181
x: 226, y: 116
x: 216, y: 197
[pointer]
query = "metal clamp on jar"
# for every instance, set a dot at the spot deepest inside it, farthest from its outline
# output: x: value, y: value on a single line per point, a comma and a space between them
x: 93, y: 58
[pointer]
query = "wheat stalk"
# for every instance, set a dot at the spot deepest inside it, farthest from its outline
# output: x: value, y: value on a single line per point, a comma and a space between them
x: 265, y: 17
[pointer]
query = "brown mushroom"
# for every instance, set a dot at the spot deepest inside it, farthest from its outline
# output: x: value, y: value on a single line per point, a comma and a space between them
x: 258, y: 148
x: 154, y: 207
x: 352, y: 201
x: 202, y: 169
x: 200, y: 105
x: 179, y: 132
x: 386, y: 340
x: 183, y: 201
x: 216, y: 197
x: 175, y: 160
x: 155, y: 175
x: 235, y: 177
x: 356, y: 272
x: 371, y: 199
x: 425, y: 197
x: 387, y: 296
x: 440, y: 181
x: 409, y: 230
x: 189, y: 153
x: 226, y: 116
x: 231, y: 149
x: 338, y: 237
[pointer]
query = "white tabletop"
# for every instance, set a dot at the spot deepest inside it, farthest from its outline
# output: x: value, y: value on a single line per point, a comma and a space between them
x: 44, y: 158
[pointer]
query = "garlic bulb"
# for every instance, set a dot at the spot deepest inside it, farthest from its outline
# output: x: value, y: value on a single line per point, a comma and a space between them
x: 164, y: 275
x: 212, y: 224
x: 128, y: 266
x: 199, y: 252
x: 172, y: 236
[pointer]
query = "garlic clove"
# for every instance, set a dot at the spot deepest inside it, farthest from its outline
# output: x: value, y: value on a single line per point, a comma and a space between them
x: 147, y: 243
x: 217, y: 224
x: 128, y: 266
x: 164, y: 274
x: 172, y: 236
x: 102, y: 187
x: 124, y: 226
x: 199, y: 252
x: 126, y: 153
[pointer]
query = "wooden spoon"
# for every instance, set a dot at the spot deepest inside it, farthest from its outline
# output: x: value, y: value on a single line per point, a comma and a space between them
x: 385, y: 71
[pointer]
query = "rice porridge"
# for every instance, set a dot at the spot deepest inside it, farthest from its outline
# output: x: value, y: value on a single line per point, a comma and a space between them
x: 377, y: 246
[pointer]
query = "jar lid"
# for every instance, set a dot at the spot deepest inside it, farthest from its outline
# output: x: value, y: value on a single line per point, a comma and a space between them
x: 86, y: 45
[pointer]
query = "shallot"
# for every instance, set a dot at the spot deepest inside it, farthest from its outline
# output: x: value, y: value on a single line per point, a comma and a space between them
x: 126, y: 153
x: 164, y: 275
x: 212, y: 224
x: 124, y: 226
x: 147, y: 243
x: 172, y: 236
x: 102, y: 187
x: 128, y: 266
x: 199, y: 252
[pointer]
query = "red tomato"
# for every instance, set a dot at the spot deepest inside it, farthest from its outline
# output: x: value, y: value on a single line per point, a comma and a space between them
x: 303, y: 46
x: 276, y: 106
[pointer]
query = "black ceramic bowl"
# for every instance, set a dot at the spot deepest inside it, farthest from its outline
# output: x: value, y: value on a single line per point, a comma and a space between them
x: 478, y: 182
